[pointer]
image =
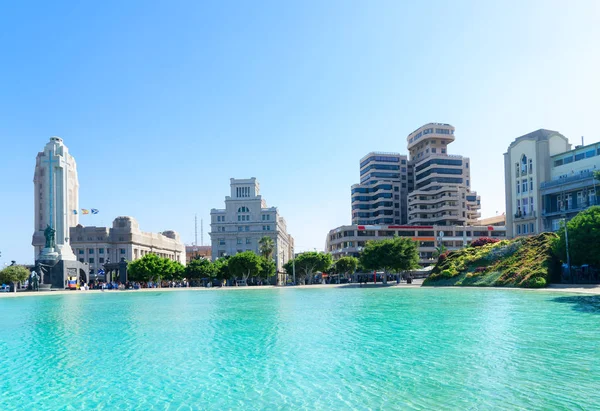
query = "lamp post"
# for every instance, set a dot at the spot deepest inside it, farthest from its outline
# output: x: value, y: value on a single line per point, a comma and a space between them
x: 567, y: 247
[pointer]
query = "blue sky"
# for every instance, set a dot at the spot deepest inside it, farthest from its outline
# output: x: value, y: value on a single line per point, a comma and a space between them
x: 162, y: 102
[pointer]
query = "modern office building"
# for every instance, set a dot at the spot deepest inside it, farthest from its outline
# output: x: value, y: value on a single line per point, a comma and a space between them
x: 97, y: 246
x: 350, y: 240
x: 442, y: 192
x: 528, y: 164
x: 381, y: 196
x: 245, y: 220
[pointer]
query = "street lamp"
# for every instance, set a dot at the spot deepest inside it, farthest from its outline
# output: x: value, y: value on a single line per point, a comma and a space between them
x: 567, y: 247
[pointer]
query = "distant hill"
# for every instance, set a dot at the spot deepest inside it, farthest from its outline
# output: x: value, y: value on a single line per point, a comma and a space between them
x: 522, y: 262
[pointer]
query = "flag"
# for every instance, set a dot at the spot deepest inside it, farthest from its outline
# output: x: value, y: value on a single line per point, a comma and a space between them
x: 94, y: 211
x: 75, y: 212
x: 84, y: 211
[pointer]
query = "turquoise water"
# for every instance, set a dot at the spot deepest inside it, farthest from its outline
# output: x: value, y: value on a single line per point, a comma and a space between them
x: 314, y: 349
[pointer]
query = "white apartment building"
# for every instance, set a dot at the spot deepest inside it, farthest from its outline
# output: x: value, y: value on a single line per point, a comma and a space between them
x: 380, y: 198
x: 245, y: 220
x: 442, y: 192
x: 527, y: 163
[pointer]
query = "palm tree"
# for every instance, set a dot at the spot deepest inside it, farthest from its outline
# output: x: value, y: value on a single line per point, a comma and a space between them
x: 266, y: 247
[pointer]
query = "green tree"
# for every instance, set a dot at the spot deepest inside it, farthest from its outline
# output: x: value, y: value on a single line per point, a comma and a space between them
x: 221, y: 265
x: 267, y: 268
x: 266, y: 245
x: 390, y: 255
x: 346, y: 265
x: 14, y: 274
x: 172, y: 270
x: 307, y: 264
x: 584, y: 238
x: 200, y: 268
x: 439, y: 250
x: 597, y: 175
x: 245, y: 265
x: 150, y: 268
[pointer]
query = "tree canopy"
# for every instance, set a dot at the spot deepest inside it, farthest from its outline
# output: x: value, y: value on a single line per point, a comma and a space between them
x: 200, y: 268
x: 221, y: 266
x: 14, y: 274
x: 245, y: 265
x: 309, y: 263
x: 584, y: 238
x: 391, y: 255
x: 154, y: 268
x: 267, y: 268
x: 346, y: 265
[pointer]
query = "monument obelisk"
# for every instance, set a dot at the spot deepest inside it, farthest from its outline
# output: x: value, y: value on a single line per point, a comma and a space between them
x: 56, y: 201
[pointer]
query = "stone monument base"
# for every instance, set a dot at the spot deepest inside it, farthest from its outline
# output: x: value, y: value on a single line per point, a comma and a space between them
x: 55, y: 273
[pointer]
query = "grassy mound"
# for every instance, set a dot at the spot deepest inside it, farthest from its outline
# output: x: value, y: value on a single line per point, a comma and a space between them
x: 522, y: 262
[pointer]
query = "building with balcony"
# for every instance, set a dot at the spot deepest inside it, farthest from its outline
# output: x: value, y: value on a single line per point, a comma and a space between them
x: 442, y: 182
x: 245, y: 220
x: 572, y: 187
x: 381, y: 196
x: 547, y: 182
x: 350, y: 240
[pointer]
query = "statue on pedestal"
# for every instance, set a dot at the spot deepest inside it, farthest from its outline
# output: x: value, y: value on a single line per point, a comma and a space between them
x: 49, y: 235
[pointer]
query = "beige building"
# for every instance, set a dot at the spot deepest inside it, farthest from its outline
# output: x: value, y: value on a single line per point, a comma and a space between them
x: 350, y: 240
x: 197, y: 251
x: 442, y: 192
x: 99, y: 245
x: 56, y: 197
x: 245, y: 219
x: 527, y: 164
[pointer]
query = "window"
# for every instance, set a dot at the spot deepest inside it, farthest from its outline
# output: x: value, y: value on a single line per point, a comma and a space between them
x: 221, y: 241
x: 518, y: 188
x: 530, y: 166
x: 524, y: 186
x: 91, y: 260
x: 524, y: 228
x: 240, y: 228
x: 90, y: 251
x: 248, y: 240
x: 443, y: 151
x: 247, y: 228
x: 101, y: 251
x: 589, y: 153
x: 467, y: 165
x: 81, y: 260
x: 243, y: 209
x: 531, y: 204
x: 239, y: 218
x: 239, y: 241
x: 122, y: 251
x: 81, y: 251
x: 523, y: 164
x: 579, y: 156
x: 101, y: 260
x: 518, y: 228
x: 531, y: 184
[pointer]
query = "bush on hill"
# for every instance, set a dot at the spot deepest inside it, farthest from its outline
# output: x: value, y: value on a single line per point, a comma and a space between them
x: 524, y: 262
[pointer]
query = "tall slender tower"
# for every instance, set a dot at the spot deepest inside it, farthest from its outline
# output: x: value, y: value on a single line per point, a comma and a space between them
x: 56, y: 197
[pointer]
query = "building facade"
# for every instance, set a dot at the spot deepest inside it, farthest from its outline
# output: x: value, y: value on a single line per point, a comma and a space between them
x: 381, y: 196
x: 197, y: 251
x: 527, y: 164
x: 350, y: 240
x: 245, y: 220
x: 572, y: 187
x: 442, y: 192
x: 56, y: 197
x: 97, y: 246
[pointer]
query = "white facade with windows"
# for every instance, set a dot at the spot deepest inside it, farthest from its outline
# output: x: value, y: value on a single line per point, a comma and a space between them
x: 245, y: 220
x: 527, y: 164
x: 442, y: 182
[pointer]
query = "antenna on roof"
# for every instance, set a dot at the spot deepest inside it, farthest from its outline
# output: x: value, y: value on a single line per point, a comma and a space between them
x: 195, y: 229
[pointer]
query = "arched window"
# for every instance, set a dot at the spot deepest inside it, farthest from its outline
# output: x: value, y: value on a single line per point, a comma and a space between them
x: 243, y: 209
x: 524, y: 164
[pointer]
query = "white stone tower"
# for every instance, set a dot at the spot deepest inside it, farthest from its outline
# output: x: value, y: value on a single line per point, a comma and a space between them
x: 56, y: 193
